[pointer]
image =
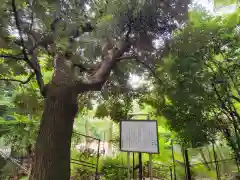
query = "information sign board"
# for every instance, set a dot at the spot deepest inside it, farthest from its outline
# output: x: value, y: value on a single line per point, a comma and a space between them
x: 139, y: 136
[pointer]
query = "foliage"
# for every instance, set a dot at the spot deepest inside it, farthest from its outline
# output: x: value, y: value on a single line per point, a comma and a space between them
x: 199, y: 73
x: 2, y: 163
x: 189, y: 96
x: 84, y: 168
x: 117, y: 108
x: 114, y: 169
x: 10, y: 169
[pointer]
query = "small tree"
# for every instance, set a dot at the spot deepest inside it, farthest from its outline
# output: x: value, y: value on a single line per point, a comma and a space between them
x: 80, y: 42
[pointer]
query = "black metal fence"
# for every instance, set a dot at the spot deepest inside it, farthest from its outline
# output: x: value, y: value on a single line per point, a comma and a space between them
x: 159, y: 171
x: 86, y: 152
x: 208, y: 162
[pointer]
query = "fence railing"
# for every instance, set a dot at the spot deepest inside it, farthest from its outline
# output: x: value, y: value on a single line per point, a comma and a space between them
x: 87, y: 150
x: 208, y: 162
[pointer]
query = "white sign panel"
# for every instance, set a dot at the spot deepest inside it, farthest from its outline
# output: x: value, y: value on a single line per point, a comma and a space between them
x: 139, y: 136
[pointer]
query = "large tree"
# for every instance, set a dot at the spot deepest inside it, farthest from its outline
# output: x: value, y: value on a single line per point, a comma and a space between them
x: 80, y: 42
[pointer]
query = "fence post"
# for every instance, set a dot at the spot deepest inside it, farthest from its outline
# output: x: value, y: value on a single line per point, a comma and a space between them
x: 188, y: 170
x: 173, y: 160
x: 236, y: 159
x: 98, y: 155
x: 140, y: 166
x: 150, y: 159
x: 216, y: 162
x: 171, y: 173
x: 133, y: 176
x: 128, y: 162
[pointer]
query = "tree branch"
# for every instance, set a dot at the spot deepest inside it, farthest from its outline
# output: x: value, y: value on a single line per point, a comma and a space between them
x: 34, y: 65
x: 38, y: 73
x: 6, y: 56
x: 127, y: 57
x: 83, y: 68
x: 24, y: 51
x: 20, y: 81
x: 109, y: 61
x: 44, y: 42
x: 87, y: 27
x: 235, y: 98
x: 149, y: 69
x: 53, y: 24
x: 31, y: 4
x: 97, y: 80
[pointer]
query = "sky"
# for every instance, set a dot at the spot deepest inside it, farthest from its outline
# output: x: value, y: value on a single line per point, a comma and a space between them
x: 208, y: 4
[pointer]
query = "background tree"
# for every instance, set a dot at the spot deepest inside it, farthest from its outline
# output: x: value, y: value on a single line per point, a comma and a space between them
x: 200, y: 95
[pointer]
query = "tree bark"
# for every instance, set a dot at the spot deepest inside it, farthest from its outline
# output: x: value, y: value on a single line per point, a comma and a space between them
x: 52, y: 150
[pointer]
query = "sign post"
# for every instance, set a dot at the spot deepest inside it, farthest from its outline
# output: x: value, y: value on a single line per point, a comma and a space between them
x: 150, y: 160
x: 173, y: 161
x: 139, y: 136
x: 128, y: 161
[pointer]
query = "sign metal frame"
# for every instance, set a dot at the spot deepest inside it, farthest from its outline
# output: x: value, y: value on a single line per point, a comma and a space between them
x: 147, y: 121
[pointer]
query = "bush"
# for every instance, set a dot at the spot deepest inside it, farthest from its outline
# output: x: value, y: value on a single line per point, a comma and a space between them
x: 114, y: 169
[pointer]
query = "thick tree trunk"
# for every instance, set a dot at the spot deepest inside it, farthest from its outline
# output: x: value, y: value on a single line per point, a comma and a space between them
x: 52, y: 150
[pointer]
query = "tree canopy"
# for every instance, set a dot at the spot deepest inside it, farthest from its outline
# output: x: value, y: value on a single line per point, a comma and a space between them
x: 200, y: 75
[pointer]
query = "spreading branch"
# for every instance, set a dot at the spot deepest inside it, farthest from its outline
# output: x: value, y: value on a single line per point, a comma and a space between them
x: 83, y: 68
x: 20, y: 81
x: 97, y: 80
